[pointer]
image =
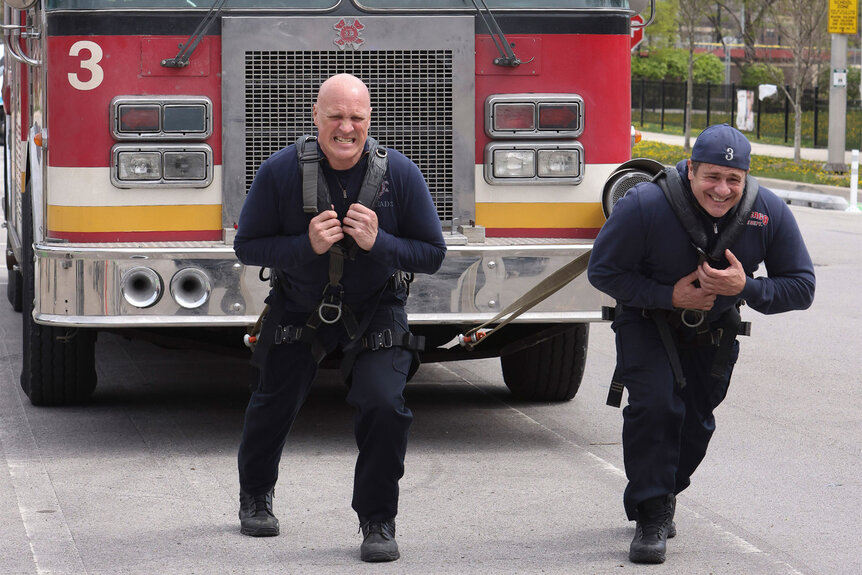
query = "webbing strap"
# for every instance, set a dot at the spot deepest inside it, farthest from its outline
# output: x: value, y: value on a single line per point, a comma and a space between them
x: 309, y: 161
x: 659, y: 317
x: 672, y: 186
x: 541, y: 291
x: 315, y: 191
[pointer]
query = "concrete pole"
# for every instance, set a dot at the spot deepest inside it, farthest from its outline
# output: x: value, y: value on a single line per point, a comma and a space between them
x: 837, y: 105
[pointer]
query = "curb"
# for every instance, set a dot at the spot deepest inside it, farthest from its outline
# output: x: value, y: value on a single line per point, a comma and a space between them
x: 809, y: 195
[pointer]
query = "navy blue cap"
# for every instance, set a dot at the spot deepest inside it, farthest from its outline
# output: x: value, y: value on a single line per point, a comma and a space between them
x: 722, y: 145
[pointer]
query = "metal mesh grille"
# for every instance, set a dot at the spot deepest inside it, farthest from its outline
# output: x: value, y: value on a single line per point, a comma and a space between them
x: 411, y: 93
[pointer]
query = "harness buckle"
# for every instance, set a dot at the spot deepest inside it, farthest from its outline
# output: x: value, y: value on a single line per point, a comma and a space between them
x: 287, y: 334
x: 381, y: 339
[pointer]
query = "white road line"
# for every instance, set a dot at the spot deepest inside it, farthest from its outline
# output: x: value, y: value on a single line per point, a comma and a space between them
x: 735, y: 540
x: 51, y: 543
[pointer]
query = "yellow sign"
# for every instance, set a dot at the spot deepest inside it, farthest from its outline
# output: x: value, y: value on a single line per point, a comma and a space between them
x: 842, y: 16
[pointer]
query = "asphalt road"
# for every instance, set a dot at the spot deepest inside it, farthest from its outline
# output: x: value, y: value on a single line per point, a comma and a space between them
x: 143, y: 480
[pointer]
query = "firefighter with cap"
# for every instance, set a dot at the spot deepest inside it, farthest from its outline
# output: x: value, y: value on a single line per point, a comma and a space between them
x: 340, y: 267
x: 679, y: 255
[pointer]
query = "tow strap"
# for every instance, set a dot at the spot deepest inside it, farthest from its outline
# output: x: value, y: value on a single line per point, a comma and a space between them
x: 541, y: 291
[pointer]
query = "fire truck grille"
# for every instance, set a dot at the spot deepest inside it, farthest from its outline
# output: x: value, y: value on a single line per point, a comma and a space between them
x: 411, y: 97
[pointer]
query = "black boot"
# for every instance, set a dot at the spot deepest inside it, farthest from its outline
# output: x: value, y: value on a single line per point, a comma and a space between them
x: 256, y: 516
x: 655, y: 517
x: 379, y: 541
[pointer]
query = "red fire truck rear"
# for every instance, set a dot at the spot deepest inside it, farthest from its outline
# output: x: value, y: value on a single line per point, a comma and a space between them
x: 135, y: 128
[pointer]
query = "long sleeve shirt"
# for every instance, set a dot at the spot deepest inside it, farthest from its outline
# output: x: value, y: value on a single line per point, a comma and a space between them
x: 273, y: 229
x: 643, y: 250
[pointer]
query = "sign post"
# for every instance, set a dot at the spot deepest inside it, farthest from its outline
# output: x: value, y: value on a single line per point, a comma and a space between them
x: 842, y: 21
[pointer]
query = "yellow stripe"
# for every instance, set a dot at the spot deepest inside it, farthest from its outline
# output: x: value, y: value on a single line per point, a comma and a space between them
x: 133, y: 218
x: 548, y: 215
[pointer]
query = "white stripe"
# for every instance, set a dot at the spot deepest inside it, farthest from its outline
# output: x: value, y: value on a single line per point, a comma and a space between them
x: 588, y: 191
x: 92, y: 187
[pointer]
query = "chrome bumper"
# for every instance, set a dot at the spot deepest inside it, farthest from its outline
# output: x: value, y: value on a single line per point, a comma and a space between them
x: 81, y: 285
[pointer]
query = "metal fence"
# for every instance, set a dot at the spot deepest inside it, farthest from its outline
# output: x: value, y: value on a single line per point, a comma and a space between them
x: 661, y: 105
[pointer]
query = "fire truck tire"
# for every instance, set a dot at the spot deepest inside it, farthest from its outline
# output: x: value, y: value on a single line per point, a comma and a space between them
x: 547, y: 366
x: 58, y: 365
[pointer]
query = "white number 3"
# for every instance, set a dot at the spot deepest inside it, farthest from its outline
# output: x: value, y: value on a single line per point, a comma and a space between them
x: 91, y: 64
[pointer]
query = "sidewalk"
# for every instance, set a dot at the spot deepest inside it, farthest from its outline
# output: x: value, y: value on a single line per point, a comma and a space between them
x: 794, y: 193
x: 814, y: 154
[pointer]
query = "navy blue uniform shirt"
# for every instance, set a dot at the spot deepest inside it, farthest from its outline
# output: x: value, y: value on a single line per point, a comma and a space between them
x: 643, y: 250
x: 273, y: 229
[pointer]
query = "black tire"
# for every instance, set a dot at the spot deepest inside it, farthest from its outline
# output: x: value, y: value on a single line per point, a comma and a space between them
x: 547, y: 366
x: 14, y: 288
x: 59, y: 364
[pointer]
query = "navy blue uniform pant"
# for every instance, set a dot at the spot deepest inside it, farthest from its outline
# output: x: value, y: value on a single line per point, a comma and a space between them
x: 381, y: 418
x: 666, y: 429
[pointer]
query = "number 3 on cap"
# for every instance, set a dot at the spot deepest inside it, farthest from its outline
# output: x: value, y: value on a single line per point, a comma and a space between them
x: 91, y: 64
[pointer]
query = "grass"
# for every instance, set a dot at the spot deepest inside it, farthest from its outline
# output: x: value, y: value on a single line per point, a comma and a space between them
x: 806, y: 171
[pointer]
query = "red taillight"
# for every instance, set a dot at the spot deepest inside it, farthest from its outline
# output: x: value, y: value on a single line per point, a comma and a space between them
x: 139, y: 118
x: 558, y: 117
x: 514, y: 117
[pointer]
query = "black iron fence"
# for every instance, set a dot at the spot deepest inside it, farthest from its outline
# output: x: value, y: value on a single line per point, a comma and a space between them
x: 661, y: 106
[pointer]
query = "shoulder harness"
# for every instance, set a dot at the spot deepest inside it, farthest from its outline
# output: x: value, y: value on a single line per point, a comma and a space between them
x: 731, y: 324
x: 315, y: 199
x: 671, y: 184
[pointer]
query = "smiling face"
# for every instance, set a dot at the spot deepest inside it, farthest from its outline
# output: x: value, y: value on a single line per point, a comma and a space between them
x: 342, y: 115
x: 716, y: 188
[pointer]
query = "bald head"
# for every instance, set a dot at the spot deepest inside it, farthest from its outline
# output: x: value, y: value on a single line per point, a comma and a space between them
x: 343, y: 85
x: 342, y: 115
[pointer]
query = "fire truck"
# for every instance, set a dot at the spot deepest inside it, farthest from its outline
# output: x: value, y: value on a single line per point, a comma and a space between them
x: 135, y: 128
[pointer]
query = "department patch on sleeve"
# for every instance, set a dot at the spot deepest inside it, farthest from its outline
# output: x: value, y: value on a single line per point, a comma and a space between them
x: 758, y: 219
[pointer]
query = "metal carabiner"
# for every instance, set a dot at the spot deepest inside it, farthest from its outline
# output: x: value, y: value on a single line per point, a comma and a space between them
x: 326, y: 306
x: 700, y: 316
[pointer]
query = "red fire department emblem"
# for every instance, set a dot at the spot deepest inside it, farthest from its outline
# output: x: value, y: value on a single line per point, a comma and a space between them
x: 348, y: 34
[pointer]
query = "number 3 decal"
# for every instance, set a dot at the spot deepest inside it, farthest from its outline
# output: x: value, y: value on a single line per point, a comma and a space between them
x: 91, y: 64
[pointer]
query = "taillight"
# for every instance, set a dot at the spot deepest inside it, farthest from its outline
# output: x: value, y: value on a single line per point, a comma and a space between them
x: 514, y: 117
x: 534, y: 116
x: 161, y: 118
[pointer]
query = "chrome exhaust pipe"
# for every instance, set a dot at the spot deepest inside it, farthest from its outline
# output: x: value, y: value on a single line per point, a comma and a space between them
x: 141, y: 287
x: 190, y: 288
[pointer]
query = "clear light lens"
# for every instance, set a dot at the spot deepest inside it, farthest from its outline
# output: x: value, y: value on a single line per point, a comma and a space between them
x: 185, y: 166
x: 559, y: 117
x: 190, y: 118
x: 558, y: 163
x: 139, y: 165
x: 514, y: 163
x: 521, y: 116
x: 139, y: 118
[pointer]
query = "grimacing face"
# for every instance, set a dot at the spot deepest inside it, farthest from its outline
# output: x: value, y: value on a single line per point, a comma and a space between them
x: 342, y: 115
x: 716, y: 188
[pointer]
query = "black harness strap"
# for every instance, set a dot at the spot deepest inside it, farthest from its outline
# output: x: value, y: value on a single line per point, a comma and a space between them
x: 671, y: 184
x: 331, y: 309
x: 731, y: 324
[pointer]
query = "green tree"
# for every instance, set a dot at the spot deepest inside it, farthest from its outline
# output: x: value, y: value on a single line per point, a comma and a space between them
x: 663, y: 32
x: 649, y: 68
x: 708, y: 68
x: 691, y: 14
x: 761, y: 73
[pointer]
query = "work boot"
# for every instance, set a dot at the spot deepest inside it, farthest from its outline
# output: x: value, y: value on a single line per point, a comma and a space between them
x: 655, y: 518
x: 379, y: 541
x: 256, y: 516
